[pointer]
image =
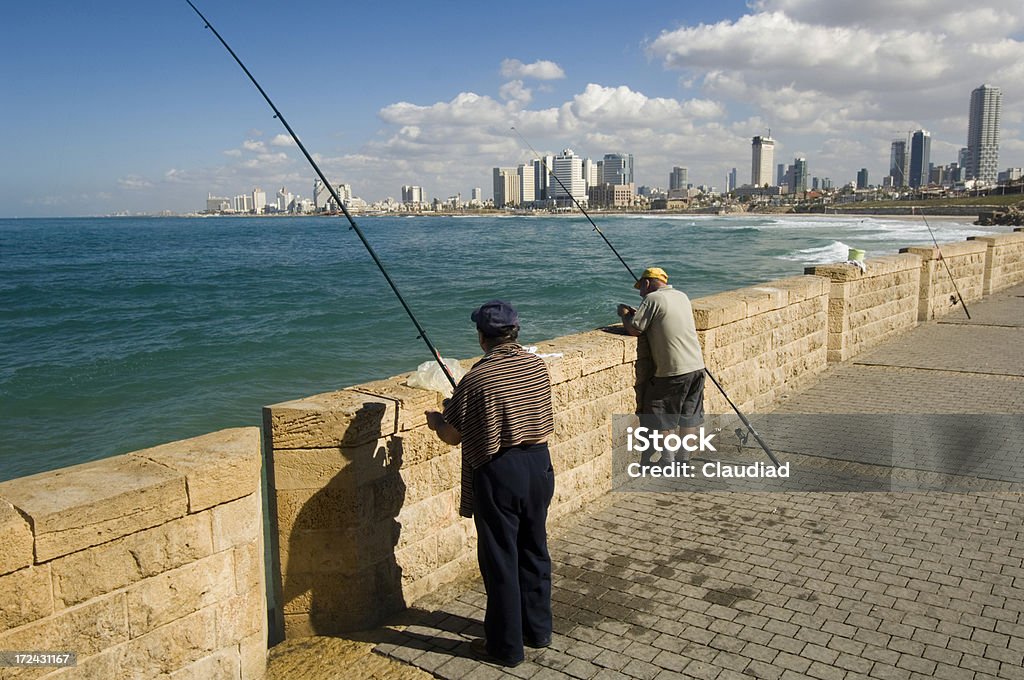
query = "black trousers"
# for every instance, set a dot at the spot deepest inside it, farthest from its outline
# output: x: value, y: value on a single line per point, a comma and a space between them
x: 511, y: 495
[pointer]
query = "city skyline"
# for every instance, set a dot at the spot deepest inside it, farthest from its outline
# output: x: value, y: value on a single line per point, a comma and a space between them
x: 110, y: 110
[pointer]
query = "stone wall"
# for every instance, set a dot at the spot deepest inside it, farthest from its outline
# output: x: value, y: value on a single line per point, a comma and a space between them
x: 966, y: 262
x: 367, y: 497
x: 763, y: 341
x: 865, y: 308
x: 144, y: 564
x: 1004, y: 260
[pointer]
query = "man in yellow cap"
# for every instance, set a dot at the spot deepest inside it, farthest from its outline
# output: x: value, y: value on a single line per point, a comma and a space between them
x: 673, y: 399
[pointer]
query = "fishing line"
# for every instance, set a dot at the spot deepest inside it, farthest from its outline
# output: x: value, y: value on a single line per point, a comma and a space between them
x: 951, y: 279
x: 743, y: 418
x: 334, y: 194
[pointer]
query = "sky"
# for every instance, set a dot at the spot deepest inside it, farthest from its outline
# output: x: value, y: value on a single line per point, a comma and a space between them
x: 112, y: 106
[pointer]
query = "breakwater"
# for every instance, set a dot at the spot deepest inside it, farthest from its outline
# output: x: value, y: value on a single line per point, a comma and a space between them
x: 150, y: 562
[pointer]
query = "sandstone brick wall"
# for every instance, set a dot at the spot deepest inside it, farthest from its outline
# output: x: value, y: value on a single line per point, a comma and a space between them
x: 367, y: 497
x: 145, y: 564
x: 763, y: 341
x: 865, y: 308
x: 1004, y: 260
x: 966, y: 263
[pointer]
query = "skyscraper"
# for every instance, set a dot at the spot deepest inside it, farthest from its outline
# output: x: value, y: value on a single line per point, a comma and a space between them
x: 798, y: 178
x: 731, y: 183
x: 678, y: 179
x: 762, y: 161
x: 983, y: 134
x: 920, y: 156
x: 862, y: 178
x: 898, y: 163
x: 568, y: 168
x: 617, y: 168
x: 507, y: 189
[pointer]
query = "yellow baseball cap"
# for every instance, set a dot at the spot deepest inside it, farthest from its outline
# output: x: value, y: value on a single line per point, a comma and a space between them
x: 652, y: 273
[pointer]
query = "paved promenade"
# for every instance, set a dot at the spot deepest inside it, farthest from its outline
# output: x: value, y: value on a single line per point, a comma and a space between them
x: 837, y: 585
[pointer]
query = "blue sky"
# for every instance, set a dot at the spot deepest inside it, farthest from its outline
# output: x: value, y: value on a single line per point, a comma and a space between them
x: 112, y: 106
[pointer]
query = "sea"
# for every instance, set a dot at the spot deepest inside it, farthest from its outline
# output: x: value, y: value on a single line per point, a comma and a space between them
x: 122, y: 333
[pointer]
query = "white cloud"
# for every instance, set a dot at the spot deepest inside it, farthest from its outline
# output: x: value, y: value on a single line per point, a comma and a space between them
x: 515, y: 91
x: 282, y: 140
x: 538, y: 70
x: 134, y: 182
x: 253, y: 145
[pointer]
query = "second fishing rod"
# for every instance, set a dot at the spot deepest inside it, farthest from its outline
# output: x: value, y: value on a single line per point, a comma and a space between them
x: 736, y: 409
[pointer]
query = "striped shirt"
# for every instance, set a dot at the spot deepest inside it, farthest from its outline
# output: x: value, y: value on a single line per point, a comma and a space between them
x: 504, y: 401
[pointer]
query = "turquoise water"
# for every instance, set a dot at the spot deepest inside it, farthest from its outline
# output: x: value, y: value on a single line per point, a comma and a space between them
x: 123, y: 333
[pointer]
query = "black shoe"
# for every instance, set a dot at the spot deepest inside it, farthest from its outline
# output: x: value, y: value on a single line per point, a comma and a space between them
x: 479, y: 648
x: 537, y: 645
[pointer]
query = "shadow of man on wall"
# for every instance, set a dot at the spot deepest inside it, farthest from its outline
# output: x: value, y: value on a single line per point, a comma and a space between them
x: 339, y: 568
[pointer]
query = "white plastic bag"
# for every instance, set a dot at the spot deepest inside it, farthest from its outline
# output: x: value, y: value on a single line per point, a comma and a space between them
x: 428, y: 376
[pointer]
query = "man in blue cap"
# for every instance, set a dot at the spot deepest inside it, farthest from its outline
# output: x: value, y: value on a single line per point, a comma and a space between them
x: 673, y: 399
x: 501, y: 414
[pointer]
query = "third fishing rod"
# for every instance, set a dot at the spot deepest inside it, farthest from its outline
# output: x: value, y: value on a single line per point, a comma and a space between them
x: 743, y: 418
x: 334, y: 194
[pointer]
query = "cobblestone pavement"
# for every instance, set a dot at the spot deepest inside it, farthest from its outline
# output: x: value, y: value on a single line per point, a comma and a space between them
x: 785, y: 585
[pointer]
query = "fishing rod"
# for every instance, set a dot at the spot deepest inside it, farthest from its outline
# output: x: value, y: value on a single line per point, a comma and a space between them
x: 946, y: 264
x: 334, y: 194
x: 743, y: 418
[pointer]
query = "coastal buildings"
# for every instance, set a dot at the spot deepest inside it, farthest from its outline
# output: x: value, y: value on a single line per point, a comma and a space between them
x: 920, y: 157
x: 763, y: 158
x: 506, y: 187
x: 983, y: 134
x: 798, y: 176
x: 412, y: 195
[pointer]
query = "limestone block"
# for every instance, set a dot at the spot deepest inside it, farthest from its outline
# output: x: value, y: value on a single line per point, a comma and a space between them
x: 238, y: 523
x: 223, y: 663
x: 568, y: 366
x: 412, y: 401
x: 330, y: 420
x: 252, y: 652
x: 454, y: 541
x: 316, y: 468
x: 92, y: 503
x: 176, y: 594
x: 241, y: 616
x: 420, y: 519
x: 218, y: 467
x: 578, y: 450
x: 87, y: 628
x: 465, y: 565
x: 337, y: 505
x: 170, y: 647
x: 717, y: 310
x: 249, y: 568
x: 599, y: 351
x: 419, y: 445
x: 839, y: 272
x: 333, y: 604
x: 325, y: 551
x: 105, y: 568
x: 432, y: 477
x: 16, y: 550
x: 801, y: 288
x: 593, y: 386
x: 418, y: 559
x: 947, y: 250
x: 25, y: 596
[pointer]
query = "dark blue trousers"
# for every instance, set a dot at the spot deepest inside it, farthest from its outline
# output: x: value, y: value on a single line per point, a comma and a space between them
x: 511, y: 495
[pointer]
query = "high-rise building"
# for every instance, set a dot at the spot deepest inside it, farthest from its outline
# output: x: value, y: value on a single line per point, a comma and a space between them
x: 506, y: 187
x: 862, y: 178
x: 567, y: 167
x: 762, y: 161
x: 542, y: 178
x: 920, y: 157
x: 731, y: 181
x: 592, y: 172
x: 412, y: 195
x: 898, y: 165
x: 798, y: 176
x: 678, y: 179
x: 259, y: 201
x: 617, y: 168
x: 781, y: 176
x: 983, y: 134
x: 526, y: 182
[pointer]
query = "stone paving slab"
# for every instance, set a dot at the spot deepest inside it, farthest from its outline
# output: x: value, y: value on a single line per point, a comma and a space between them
x: 1003, y: 308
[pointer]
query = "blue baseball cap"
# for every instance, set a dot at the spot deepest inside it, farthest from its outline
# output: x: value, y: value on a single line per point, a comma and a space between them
x: 495, y: 318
